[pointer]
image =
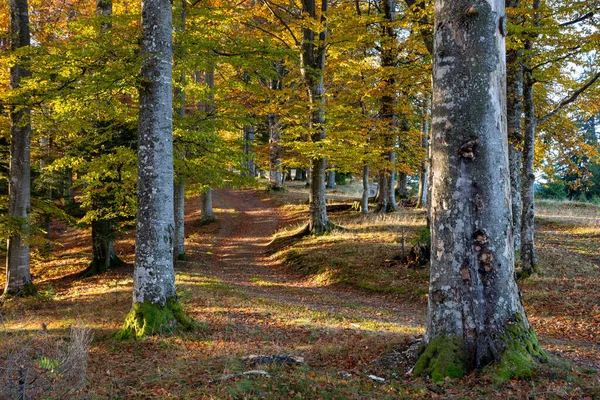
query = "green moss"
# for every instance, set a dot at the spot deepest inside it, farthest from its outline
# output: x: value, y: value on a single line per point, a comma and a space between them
x: 182, y: 257
x: 148, y: 319
x: 522, y: 355
x: 442, y: 357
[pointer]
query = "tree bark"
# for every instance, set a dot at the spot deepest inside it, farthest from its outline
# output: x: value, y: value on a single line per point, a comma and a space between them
x: 514, y: 112
x: 155, y: 305
x: 312, y: 65
x: 103, y: 252
x: 179, y: 210
x: 528, y: 256
x: 18, y: 273
x: 331, y: 179
x: 424, y: 175
x: 364, y: 204
x: 275, y: 152
x: 207, y: 214
x: 388, y: 53
x: 402, y: 185
x: 249, y: 134
x: 475, y: 313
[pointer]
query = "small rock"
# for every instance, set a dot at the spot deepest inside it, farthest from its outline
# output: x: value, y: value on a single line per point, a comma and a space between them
x: 377, y: 378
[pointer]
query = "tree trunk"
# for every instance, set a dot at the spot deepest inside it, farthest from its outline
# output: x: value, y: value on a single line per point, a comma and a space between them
x: 275, y: 151
x: 475, y: 313
x: 423, y: 176
x: 312, y: 63
x: 308, y: 175
x: 331, y: 179
x: 103, y: 252
x: 18, y: 273
x: 402, y: 185
x: 155, y: 305
x: 364, y: 204
x: 249, y: 134
x: 179, y: 210
x: 514, y: 105
x: 528, y: 256
x: 207, y: 215
x: 387, y: 194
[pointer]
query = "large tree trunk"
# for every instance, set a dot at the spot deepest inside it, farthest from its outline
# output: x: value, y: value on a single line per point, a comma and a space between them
x: 364, y: 204
x: 475, y: 313
x: 402, y: 185
x: 387, y: 193
x: 155, y: 305
x: 18, y: 274
x: 514, y: 103
x: 312, y: 62
x: 528, y: 255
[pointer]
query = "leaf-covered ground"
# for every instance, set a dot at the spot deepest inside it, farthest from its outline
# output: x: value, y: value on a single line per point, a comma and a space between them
x: 342, y: 302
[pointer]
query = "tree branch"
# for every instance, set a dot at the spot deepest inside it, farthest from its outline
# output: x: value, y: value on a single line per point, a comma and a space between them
x: 568, y: 100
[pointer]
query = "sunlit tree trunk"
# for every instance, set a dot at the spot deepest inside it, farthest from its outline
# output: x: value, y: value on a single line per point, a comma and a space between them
x: 475, y: 314
x: 18, y: 274
x: 275, y: 152
x: 249, y: 134
x: 313, y: 69
x: 364, y: 204
x: 155, y: 304
x: 424, y: 174
x: 514, y: 103
x: 388, y: 53
x: 528, y: 255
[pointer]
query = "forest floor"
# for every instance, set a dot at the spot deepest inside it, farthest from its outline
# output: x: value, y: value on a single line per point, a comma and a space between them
x: 342, y: 302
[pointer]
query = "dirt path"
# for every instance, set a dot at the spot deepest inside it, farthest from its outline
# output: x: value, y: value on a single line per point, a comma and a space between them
x: 247, y: 223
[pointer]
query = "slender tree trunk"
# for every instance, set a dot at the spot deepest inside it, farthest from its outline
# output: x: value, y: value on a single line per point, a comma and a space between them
x: 514, y: 103
x: 364, y: 205
x: 387, y: 195
x: 18, y: 274
x: 275, y: 152
x: 312, y: 62
x: 207, y: 214
x: 179, y: 181
x: 179, y: 210
x: 308, y: 175
x: 475, y: 314
x: 331, y: 179
x: 424, y: 175
x: 249, y: 134
x: 103, y: 252
x: 528, y: 256
x: 155, y: 305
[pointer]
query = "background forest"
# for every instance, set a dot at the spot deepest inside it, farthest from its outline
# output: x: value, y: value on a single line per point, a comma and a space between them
x: 302, y: 141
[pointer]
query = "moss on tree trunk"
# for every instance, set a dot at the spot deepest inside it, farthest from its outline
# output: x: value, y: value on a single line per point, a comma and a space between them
x: 442, y: 357
x: 148, y: 319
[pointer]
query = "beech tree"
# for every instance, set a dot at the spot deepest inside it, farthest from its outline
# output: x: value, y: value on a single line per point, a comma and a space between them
x: 155, y: 304
x: 18, y: 275
x: 475, y: 313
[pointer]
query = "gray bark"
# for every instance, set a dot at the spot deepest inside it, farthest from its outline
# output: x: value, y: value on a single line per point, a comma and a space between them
x: 154, y: 277
x: 528, y: 255
x: 18, y: 274
x: 402, y: 185
x: 206, y: 213
x: 388, y: 53
x: 179, y: 210
x: 179, y: 182
x: 424, y: 173
x: 514, y: 112
x: 312, y: 63
x: 364, y: 204
x: 275, y: 152
x: 331, y: 179
x: 249, y: 134
x: 473, y: 295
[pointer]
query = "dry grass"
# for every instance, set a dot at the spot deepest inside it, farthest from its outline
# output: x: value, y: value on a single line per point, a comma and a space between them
x: 341, y: 332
